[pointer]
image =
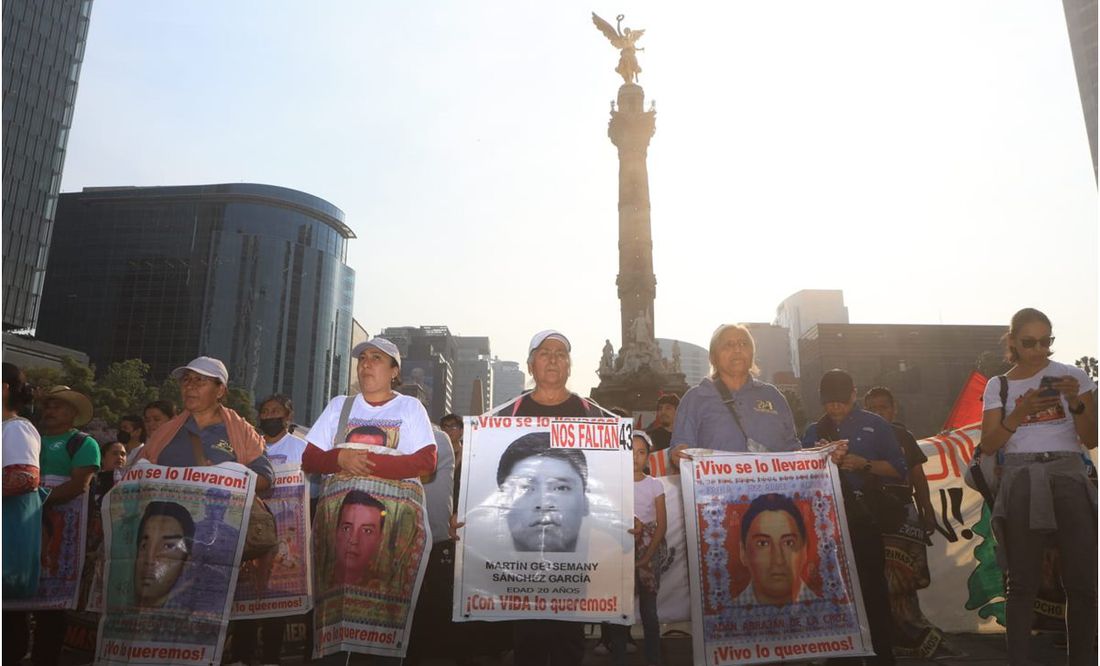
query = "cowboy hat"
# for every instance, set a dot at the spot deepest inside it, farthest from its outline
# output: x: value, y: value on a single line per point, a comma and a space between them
x: 78, y: 400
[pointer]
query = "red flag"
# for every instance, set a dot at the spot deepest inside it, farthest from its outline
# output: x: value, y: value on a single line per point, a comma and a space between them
x: 968, y: 406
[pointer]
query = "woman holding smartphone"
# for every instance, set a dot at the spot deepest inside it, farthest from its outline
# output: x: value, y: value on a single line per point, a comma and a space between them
x: 1040, y: 414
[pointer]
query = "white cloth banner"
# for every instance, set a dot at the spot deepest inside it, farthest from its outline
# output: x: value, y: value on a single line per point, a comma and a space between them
x: 173, y: 538
x: 770, y: 559
x: 547, y: 503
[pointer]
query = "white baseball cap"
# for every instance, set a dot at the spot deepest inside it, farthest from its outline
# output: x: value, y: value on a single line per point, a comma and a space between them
x: 204, y: 365
x: 381, y: 344
x: 549, y: 334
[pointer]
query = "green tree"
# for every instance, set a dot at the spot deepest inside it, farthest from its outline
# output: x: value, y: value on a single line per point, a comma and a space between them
x: 240, y: 400
x: 1089, y: 365
x: 123, y: 390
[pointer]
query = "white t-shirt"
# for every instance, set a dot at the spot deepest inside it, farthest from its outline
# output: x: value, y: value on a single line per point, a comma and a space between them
x: 402, y: 420
x: 21, y: 443
x: 1050, y: 430
x: 646, y: 493
x: 289, y: 449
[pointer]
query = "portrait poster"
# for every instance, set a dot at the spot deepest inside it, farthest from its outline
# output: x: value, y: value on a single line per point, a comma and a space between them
x: 280, y: 582
x: 64, y: 539
x: 371, y: 543
x: 173, y: 539
x: 770, y: 558
x: 547, y: 503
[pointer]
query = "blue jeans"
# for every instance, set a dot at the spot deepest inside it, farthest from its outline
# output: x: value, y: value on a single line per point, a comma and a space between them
x: 647, y: 606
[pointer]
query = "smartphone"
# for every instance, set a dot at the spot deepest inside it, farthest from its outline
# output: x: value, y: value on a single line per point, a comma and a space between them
x: 1046, y: 387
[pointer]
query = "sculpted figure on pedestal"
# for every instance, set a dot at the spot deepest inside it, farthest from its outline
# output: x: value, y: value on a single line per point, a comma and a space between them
x: 623, y: 39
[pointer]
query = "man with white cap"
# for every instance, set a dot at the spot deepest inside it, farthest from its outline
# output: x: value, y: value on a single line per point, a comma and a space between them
x: 70, y: 453
x: 222, y: 435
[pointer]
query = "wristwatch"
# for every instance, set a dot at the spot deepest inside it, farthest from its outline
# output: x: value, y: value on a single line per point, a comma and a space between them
x: 1080, y: 409
x: 867, y: 466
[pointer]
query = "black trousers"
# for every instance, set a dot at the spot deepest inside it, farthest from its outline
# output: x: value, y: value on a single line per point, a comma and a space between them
x: 870, y: 558
x: 548, y: 643
x: 244, y: 639
x: 49, y: 636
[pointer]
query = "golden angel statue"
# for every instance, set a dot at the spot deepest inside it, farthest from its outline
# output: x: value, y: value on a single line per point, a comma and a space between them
x: 623, y: 39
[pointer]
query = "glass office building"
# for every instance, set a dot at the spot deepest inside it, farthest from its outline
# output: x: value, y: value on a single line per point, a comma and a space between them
x: 254, y: 275
x: 43, y: 49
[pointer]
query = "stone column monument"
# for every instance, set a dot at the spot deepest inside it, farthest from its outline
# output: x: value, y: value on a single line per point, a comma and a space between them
x: 638, y: 374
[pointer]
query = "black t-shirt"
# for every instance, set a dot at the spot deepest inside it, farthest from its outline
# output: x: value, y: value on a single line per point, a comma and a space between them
x: 662, y: 438
x: 573, y: 406
x: 914, y: 457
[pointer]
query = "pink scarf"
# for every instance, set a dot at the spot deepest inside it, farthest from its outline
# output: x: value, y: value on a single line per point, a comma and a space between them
x: 246, y: 442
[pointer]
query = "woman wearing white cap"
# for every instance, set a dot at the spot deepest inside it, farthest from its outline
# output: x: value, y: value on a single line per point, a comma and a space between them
x: 402, y: 418
x: 376, y: 415
x: 222, y: 434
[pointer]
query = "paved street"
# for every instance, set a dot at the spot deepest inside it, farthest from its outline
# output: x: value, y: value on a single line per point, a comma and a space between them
x: 973, y: 649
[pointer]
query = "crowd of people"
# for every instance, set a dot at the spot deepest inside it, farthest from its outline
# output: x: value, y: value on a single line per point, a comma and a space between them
x: 1038, y: 418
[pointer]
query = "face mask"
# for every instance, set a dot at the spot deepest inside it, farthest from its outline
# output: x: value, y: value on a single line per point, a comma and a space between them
x: 272, y: 427
x: 123, y: 437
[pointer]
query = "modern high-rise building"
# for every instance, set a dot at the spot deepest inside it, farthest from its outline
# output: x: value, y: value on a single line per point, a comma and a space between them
x: 694, y: 360
x: 358, y: 334
x: 43, y: 50
x: 508, y: 381
x: 254, y: 275
x: 473, y: 391
x: 925, y: 366
x: 773, y: 351
x: 803, y: 310
x: 1081, y: 25
x: 428, y: 357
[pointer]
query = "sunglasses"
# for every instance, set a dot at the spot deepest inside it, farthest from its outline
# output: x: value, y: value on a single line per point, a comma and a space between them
x: 1028, y: 343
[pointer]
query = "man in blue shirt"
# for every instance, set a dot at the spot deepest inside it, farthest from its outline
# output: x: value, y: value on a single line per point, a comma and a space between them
x: 871, y: 451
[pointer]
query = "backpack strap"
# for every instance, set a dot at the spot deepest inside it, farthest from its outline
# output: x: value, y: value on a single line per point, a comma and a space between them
x: 345, y: 414
x: 1004, y: 395
x: 75, y: 442
x: 727, y: 400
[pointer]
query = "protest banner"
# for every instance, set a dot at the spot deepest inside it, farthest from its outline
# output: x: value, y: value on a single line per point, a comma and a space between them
x: 547, y: 503
x: 770, y: 559
x: 280, y: 583
x: 173, y: 539
x: 371, y: 543
x: 64, y: 540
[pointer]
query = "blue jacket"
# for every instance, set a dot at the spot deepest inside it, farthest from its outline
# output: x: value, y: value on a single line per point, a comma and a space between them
x: 869, y: 436
x: 704, y: 421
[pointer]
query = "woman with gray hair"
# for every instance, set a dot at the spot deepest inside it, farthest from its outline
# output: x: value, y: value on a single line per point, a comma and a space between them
x: 732, y: 410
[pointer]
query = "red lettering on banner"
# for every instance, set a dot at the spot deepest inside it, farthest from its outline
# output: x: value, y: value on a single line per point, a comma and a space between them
x: 942, y: 474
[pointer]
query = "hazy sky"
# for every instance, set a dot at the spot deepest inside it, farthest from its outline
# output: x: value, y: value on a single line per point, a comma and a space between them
x: 930, y: 159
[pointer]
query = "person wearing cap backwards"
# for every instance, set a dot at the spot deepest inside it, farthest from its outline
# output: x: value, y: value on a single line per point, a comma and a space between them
x: 223, y: 434
x: 63, y: 411
x: 549, y: 641
x: 867, y: 452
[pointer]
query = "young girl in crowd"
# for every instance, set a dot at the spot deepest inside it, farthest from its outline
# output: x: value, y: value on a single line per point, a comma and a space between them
x: 649, y: 552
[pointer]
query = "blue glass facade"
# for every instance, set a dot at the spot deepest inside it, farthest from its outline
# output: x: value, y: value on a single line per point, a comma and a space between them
x: 252, y: 274
x: 43, y: 49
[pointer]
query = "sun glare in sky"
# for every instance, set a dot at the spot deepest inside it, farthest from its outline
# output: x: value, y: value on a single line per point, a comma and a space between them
x: 930, y: 159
